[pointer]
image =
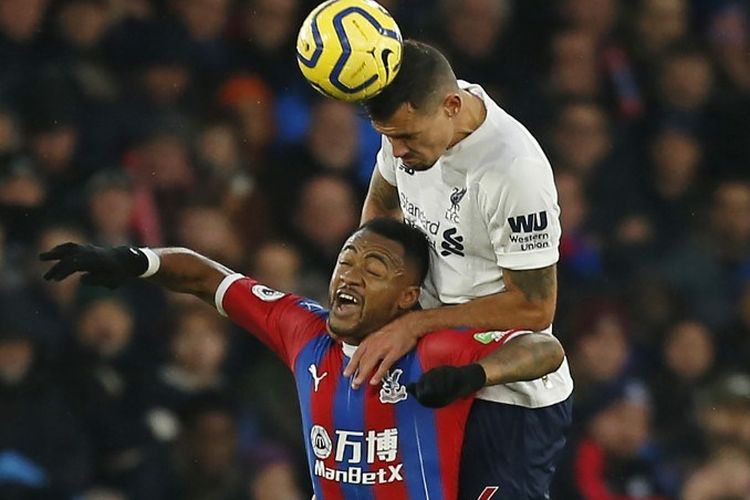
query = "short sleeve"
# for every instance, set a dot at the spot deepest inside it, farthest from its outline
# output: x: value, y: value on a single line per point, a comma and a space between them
x: 386, y: 162
x: 283, y: 322
x: 461, y: 347
x: 522, y: 214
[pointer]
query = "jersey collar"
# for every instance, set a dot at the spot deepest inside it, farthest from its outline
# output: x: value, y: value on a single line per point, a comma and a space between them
x: 348, y: 349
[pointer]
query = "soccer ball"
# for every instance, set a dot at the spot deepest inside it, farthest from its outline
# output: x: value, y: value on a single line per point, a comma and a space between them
x: 349, y: 49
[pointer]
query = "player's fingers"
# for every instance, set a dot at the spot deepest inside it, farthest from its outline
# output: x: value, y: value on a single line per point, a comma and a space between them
x: 385, y: 365
x: 56, y: 272
x: 60, y: 251
x: 351, y: 367
x: 62, y: 269
x: 367, y: 364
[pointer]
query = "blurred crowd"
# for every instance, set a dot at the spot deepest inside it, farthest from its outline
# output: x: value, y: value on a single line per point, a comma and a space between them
x: 187, y: 123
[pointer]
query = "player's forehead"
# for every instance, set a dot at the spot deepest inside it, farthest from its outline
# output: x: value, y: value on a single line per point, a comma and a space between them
x: 370, y: 243
x: 405, y: 121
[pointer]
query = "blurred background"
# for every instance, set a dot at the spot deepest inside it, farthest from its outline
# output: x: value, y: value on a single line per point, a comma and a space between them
x: 186, y: 122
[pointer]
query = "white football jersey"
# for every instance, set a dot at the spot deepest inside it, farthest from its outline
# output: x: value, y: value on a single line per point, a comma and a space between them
x: 488, y: 203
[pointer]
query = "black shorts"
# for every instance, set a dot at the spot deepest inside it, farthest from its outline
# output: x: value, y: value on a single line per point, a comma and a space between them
x: 511, y: 452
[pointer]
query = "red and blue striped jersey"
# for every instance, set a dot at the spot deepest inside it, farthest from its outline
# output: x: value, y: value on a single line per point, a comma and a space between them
x: 376, y: 442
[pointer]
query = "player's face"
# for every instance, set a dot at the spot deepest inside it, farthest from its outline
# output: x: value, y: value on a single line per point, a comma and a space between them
x: 419, y: 138
x: 371, y: 285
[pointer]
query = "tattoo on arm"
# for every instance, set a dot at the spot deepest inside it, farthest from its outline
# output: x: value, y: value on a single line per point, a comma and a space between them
x: 536, y: 284
x: 524, y: 358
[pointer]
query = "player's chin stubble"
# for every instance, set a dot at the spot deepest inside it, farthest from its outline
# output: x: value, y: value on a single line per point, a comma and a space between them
x: 340, y: 331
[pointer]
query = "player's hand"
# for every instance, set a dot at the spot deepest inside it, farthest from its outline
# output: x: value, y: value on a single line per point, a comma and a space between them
x: 380, y: 350
x: 443, y: 385
x: 109, y: 267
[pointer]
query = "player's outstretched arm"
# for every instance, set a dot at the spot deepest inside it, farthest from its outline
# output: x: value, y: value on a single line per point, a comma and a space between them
x: 526, y: 357
x: 528, y: 303
x: 178, y: 269
x: 381, y: 200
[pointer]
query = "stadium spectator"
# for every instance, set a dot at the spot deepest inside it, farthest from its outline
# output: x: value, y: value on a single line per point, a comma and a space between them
x: 198, y: 348
x: 225, y: 176
x: 278, y: 264
x: 657, y: 26
x: 252, y: 102
x: 477, y: 33
x: 652, y: 307
x: 725, y: 475
x: 164, y: 178
x: 688, y: 363
x: 208, y: 464
x: 46, y: 309
x: 19, y: 25
x: 10, y: 133
x: 105, y: 379
x: 110, y: 208
x: 734, y: 345
x: 76, y: 57
x: 331, y: 147
x: 573, y: 69
x: 43, y: 453
x: 333, y: 141
x: 208, y: 230
x: 23, y: 199
x: 717, y: 254
x: 686, y: 95
x: 204, y: 22
x: 83, y: 24
x: 52, y: 139
x: 582, y: 140
x: 728, y: 36
x: 672, y: 199
x: 265, y: 38
x: 217, y: 149
x: 325, y: 215
x: 601, y: 355
x: 273, y: 476
x: 580, y: 249
x: 599, y: 20
x: 617, y: 458
x: 723, y: 412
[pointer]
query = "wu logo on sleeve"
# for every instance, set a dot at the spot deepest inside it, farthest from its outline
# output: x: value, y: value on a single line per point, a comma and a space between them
x: 528, y: 223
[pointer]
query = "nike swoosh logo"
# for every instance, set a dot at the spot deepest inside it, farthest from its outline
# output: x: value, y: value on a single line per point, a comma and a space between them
x: 384, y: 57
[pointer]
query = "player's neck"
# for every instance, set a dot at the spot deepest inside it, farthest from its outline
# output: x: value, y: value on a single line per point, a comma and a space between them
x: 469, y: 118
x: 352, y: 340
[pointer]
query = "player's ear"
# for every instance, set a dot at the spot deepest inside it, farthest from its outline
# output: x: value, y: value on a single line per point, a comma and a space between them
x: 409, y: 298
x: 452, y: 104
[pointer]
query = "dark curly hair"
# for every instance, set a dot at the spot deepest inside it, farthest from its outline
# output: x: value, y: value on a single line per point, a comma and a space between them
x: 414, y: 241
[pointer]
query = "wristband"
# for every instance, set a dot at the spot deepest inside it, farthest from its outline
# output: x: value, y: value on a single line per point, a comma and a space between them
x: 476, y: 377
x: 153, y: 262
